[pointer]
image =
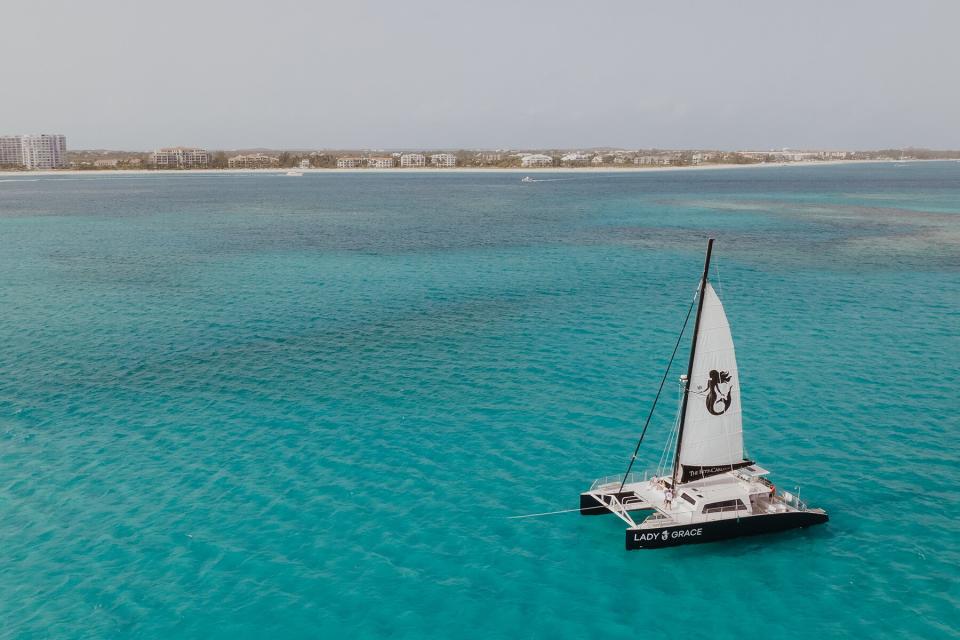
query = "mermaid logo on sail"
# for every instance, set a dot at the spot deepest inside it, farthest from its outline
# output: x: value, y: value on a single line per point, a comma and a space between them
x: 718, y: 401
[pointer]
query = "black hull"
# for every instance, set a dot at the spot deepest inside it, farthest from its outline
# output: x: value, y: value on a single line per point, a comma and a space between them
x: 721, y: 529
x: 590, y: 506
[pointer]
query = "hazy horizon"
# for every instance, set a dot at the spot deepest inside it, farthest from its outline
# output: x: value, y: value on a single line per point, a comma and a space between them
x: 243, y: 75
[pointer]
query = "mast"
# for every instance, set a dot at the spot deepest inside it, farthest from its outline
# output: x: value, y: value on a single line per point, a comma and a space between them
x: 693, y: 353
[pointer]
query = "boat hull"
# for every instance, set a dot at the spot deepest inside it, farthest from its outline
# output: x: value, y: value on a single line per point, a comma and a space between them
x: 722, y: 529
x: 590, y: 506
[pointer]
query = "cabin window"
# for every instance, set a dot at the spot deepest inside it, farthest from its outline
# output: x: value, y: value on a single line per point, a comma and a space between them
x: 687, y: 497
x: 725, y: 505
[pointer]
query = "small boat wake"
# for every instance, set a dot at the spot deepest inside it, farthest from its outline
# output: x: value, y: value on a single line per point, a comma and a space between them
x: 529, y: 179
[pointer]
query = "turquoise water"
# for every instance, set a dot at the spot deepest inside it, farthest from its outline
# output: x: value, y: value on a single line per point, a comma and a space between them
x: 252, y: 406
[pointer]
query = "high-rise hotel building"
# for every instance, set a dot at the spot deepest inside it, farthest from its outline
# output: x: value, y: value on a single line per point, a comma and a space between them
x: 42, y: 151
x: 180, y: 158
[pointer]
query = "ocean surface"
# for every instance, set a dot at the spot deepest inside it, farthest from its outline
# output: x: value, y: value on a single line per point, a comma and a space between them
x: 254, y: 406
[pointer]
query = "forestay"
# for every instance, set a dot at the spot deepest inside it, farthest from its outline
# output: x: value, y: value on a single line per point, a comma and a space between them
x: 713, y: 426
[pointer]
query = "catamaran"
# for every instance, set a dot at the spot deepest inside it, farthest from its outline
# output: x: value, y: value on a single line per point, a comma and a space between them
x: 712, y: 491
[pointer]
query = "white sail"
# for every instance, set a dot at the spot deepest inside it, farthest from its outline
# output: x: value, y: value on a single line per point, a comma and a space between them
x: 713, y: 426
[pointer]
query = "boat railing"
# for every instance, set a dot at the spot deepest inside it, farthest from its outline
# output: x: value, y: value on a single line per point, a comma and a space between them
x: 655, y: 520
x: 791, y: 500
x: 618, y: 508
x: 608, y: 481
x: 716, y: 512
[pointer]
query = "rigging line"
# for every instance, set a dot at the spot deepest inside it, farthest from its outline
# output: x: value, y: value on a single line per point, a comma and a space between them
x: 551, y: 513
x: 646, y: 424
x: 669, y: 445
x: 666, y: 447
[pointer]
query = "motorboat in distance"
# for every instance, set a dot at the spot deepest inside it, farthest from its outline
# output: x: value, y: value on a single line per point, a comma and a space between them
x: 713, y: 491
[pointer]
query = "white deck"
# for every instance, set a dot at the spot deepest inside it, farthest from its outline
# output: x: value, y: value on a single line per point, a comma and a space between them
x: 734, y: 494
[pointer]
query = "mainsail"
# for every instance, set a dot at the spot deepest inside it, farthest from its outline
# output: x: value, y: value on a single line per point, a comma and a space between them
x: 712, y: 440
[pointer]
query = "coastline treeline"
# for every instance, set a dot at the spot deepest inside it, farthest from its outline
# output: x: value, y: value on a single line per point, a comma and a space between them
x: 101, y: 159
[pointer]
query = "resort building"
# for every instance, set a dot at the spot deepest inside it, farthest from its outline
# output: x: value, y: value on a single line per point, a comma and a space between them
x: 253, y: 161
x: 180, y: 158
x: 536, y: 160
x: 704, y: 156
x: 349, y: 163
x: 11, y: 151
x: 489, y: 158
x: 597, y: 160
x: 43, y: 151
x: 443, y: 160
x: 413, y: 160
x: 575, y: 158
x: 380, y: 163
x: 784, y: 155
x: 658, y: 160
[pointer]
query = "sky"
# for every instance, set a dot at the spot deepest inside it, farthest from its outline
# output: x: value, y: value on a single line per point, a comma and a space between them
x: 121, y: 74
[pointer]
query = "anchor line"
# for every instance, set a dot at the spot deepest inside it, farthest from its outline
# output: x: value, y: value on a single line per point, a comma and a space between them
x: 646, y: 424
x: 552, y: 513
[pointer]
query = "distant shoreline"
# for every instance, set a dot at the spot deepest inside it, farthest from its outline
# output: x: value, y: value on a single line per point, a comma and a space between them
x: 422, y: 170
